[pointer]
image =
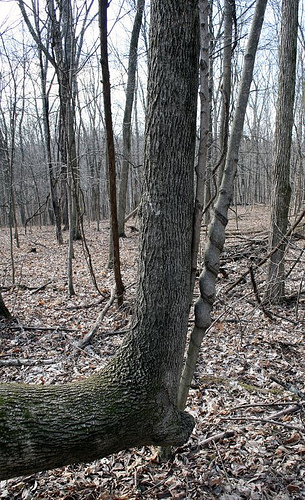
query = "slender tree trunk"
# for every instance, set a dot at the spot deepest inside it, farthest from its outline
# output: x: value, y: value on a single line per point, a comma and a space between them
x: 130, y: 91
x: 47, y: 138
x: 216, y: 236
x: 110, y: 150
x: 133, y: 400
x: 210, y: 155
x: 204, y: 134
x: 282, y: 147
x: 229, y: 11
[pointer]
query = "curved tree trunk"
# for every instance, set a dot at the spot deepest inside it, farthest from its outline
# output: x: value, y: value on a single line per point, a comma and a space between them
x: 133, y: 400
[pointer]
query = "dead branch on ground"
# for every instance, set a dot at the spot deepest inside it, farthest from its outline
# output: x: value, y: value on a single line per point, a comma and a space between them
x: 87, y: 339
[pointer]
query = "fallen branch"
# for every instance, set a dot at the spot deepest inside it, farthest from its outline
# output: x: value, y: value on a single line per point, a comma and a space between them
x: 262, y: 261
x: 26, y: 362
x: 266, y: 421
x: 132, y: 214
x: 256, y: 294
x: 288, y: 387
x: 42, y: 328
x: 86, y: 340
x: 216, y: 437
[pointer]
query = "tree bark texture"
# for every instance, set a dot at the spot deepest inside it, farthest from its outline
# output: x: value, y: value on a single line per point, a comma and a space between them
x: 216, y: 234
x: 4, y: 312
x: 204, y: 134
x: 282, y: 147
x: 133, y: 400
x: 130, y: 92
x: 229, y: 12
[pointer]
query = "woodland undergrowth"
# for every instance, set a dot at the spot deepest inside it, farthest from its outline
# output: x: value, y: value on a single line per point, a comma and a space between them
x: 248, y: 393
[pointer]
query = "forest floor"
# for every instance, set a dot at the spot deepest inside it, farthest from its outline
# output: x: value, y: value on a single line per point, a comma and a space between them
x: 248, y: 392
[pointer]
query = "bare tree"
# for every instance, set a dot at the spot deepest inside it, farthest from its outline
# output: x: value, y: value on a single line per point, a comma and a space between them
x: 133, y: 400
x: 216, y: 235
x: 282, y: 149
x: 229, y: 17
x: 130, y: 92
x: 103, y: 4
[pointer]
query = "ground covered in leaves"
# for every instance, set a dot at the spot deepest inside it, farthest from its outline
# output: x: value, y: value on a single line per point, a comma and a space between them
x: 248, y: 392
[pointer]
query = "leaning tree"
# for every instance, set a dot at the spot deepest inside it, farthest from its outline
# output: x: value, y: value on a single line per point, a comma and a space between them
x: 133, y: 400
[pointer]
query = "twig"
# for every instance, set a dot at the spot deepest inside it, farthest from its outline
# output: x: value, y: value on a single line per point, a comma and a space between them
x: 42, y: 287
x: 262, y: 405
x: 216, y: 437
x: 132, y: 214
x: 255, y: 290
x: 26, y: 362
x: 286, y: 411
x: 222, y: 463
x: 266, y: 421
x: 42, y: 328
x: 298, y: 298
x: 288, y: 387
x: 86, y: 340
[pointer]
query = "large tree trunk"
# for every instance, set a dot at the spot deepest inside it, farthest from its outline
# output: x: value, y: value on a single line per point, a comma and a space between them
x: 282, y: 146
x: 133, y: 401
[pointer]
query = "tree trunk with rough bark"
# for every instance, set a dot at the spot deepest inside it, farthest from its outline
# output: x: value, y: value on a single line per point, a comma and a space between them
x: 4, y: 312
x: 282, y: 146
x: 133, y: 400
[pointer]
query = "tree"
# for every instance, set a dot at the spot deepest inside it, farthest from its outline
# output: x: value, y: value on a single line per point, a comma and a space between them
x: 130, y: 92
x: 63, y: 53
x: 4, y: 312
x: 216, y: 234
x: 229, y: 15
x: 133, y: 400
x: 281, y: 193
x: 114, y: 244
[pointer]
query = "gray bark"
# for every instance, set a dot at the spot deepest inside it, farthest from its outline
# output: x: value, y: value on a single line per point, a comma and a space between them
x: 130, y: 92
x: 204, y: 134
x: 229, y: 11
x: 114, y: 233
x: 133, y: 400
x: 282, y: 147
x: 4, y: 312
x: 216, y: 235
